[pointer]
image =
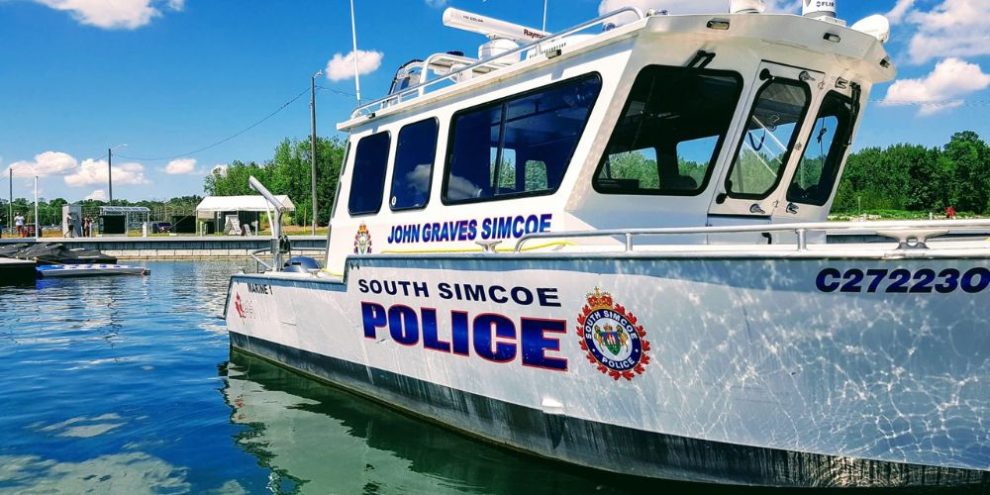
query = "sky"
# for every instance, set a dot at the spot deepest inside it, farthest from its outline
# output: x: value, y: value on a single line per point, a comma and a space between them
x: 160, y: 80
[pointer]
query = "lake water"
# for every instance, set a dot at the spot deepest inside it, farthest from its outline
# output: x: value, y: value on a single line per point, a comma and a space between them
x: 127, y: 385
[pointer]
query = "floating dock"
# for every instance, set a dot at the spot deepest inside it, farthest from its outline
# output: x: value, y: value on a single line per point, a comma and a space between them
x: 179, y: 247
x: 16, y: 271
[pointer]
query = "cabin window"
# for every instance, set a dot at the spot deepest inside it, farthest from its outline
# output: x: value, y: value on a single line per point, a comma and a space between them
x: 412, y: 174
x: 768, y: 139
x: 670, y: 132
x: 368, y: 177
x: 819, y: 167
x: 520, y: 146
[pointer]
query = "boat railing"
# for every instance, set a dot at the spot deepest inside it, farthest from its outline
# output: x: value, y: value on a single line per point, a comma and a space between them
x: 908, y: 234
x: 492, y: 62
x: 259, y: 262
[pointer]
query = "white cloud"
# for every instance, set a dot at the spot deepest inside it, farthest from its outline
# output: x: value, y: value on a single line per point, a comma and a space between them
x: 896, y: 14
x: 181, y: 166
x: 953, y: 28
x: 98, y: 195
x: 113, y: 14
x: 436, y: 3
x: 341, y: 67
x: 691, y: 6
x: 219, y: 169
x: 941, y: 90
x: 43, y: 165
x: 95, y: 172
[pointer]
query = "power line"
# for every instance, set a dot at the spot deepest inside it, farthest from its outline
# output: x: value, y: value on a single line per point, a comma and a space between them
x: 336, y: 91
x: 224, y: 140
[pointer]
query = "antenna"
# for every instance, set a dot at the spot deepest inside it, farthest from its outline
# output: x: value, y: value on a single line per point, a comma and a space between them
x: 492, y: 28
x: 545, y: 3
x: 354, y: 51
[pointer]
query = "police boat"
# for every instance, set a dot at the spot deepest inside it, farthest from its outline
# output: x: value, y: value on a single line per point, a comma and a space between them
x: 608, y: 246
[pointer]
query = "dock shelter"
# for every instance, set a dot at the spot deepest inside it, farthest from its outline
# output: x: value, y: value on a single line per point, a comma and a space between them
x: 235, y: 215
x: 117, y: 220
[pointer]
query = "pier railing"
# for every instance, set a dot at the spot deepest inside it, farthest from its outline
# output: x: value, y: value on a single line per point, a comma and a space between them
x: 908, y: 234
x: 552, y: 42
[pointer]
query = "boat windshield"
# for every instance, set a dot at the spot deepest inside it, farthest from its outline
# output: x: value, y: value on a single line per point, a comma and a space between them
x: 769, y: 138
x: 670, y: 132
x: 819, y: 167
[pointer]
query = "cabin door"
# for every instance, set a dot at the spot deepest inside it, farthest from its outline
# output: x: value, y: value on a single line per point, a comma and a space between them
x: 809, y: 186
x: 752, y: 188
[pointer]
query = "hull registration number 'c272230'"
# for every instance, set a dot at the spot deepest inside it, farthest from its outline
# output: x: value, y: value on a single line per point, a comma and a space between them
x: 903, y: 281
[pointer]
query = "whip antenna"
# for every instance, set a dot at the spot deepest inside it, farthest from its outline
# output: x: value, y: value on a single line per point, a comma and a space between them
x: 354, y: 52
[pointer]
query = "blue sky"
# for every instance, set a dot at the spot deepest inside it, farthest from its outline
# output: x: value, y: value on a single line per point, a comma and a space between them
x: 167, y: 77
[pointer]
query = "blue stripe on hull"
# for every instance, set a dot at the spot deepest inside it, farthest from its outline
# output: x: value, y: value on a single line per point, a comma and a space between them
x: 603, y: 446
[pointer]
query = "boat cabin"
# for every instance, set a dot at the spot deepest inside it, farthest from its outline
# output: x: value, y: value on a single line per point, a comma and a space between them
x: 631, y: 120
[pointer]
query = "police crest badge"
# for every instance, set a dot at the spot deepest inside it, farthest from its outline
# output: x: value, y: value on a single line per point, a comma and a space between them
x: 362, y: 240
x: 612, y: 338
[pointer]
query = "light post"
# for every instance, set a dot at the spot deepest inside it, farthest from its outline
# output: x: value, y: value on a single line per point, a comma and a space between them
x: 312, y: 142
x: 110, y: 170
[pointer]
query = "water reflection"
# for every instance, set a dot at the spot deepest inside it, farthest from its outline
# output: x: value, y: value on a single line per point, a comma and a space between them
x: 317, y: 439
x: 323, y: 439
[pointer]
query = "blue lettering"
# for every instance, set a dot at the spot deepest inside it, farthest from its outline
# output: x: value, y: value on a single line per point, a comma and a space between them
x: 535, y: 343
x: 823, y: 283
x: 472, y: 230
x: 444, y: 289
x: 459, y: 332
x: 517, y: 226
x: 373, y: 316
x: 486, y: 229
x: 545, y: 222
x: 503, y: 229
x: 488, y: 328
x: 403, y: 325
x: 431, y: 340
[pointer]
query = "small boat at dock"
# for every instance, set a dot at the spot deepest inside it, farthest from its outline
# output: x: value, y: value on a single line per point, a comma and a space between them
x: 89, y: 270
x: 608, y: 246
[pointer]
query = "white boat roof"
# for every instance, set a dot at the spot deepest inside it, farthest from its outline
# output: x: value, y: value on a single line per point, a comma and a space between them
x: 214, y: 204
x: 863, y: 53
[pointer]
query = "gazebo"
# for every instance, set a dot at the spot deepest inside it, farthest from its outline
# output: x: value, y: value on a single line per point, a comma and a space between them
x: 234, y: 215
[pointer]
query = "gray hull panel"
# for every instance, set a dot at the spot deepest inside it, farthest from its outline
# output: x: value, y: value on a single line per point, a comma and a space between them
x: 607, y: 447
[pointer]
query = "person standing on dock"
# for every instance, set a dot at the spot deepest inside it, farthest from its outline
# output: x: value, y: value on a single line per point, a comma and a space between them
x: 19, y: 225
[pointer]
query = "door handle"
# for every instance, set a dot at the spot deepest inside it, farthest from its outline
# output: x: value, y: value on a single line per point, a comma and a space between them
x: 756, y: 209
x: 792, y: 208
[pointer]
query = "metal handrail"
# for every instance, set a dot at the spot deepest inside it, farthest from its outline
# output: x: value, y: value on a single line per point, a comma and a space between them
x: 420, y: 89
x: 254, y: 254
x: 910, y: 234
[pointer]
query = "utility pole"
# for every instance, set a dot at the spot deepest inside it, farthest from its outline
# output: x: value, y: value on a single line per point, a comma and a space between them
x: 312, y: 143
x: 37, y: 224
x: 110, y: 172
x: 10, y: 218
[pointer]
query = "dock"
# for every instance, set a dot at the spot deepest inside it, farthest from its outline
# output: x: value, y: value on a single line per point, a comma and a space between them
x: 14, y: 271
x: 180, y: 247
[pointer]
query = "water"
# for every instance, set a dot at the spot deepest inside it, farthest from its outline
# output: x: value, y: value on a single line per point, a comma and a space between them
x: 127, y: 385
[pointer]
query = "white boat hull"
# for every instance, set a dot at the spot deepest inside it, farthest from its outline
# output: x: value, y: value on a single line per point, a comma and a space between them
x: 89, y: 270
x: 780, y: 372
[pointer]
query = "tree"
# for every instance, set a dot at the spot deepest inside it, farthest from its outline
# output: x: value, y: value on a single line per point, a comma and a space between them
x: 287, y: 173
